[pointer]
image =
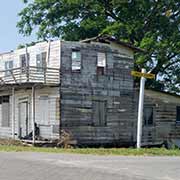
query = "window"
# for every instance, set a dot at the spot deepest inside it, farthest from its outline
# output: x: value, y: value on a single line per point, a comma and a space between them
x: 41, y: 61
x: 76, y: 60
x: 178, y: 114
x: 148, y: 116
x: 101, y: 63
x: 5, y: 116
x: 99, y: 116
x: 43, y: 109
x: 24, y: 62
x: 8, y: 66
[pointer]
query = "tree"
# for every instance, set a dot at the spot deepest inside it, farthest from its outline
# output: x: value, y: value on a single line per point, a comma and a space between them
x: 153, y: 25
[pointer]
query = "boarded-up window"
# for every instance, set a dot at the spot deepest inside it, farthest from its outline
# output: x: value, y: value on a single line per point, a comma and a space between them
x: 8, y: 66
x: 5, y: 118
x: 99, y: 110
x: 41, y: 61
x: 148, y: 116
x: 76, y: 60
x: 101, y: 63
x: 43, y: 109
x: 178, y: 114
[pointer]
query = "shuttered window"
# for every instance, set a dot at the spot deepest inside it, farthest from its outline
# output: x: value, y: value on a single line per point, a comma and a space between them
x: 43, y: 110
x: 101, y: 63
x: 5, y: 109
x: 99, y: 116
x: 41, y: 61
x: 8, y: 66
x: 178, y: 114
x: 148, y: 116
x: 24, y: 62
x: 76, y: 60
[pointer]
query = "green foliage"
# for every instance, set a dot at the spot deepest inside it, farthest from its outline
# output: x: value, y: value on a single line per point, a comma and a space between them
x: 153, y: 25
x: 20, y: 46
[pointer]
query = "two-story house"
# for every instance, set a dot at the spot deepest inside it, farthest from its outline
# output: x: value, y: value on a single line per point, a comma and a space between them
x: 83, y: 87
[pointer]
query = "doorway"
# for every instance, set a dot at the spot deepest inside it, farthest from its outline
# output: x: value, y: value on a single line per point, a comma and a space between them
x: 23, y: 119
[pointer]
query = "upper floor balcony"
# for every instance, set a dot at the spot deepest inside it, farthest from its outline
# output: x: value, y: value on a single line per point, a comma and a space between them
x: 30, y: 74
x: 37, y: 64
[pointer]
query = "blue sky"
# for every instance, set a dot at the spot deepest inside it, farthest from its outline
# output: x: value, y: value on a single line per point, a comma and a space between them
x: 9, y: 37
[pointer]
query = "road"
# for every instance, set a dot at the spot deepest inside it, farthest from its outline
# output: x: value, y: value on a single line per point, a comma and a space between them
x: 47, y: 166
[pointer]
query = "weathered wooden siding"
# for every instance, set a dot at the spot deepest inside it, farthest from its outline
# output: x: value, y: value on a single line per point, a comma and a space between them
x: 53, y: 60
x: 164, y: 126
x: 5, y: 132
x: 79, y: 90
x: 46, y: 127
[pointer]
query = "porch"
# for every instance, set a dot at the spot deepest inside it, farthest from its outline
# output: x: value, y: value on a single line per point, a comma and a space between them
x: 33, y: 99
x: 30, y: 74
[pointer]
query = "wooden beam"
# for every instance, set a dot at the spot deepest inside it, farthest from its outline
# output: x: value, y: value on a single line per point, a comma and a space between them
x: 13, y: 76
x: 13, y: 113
x: 27, y: 64
x: 33, y: 113
x: 48, y: 52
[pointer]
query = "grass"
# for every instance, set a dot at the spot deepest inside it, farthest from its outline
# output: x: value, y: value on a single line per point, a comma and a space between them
x: 96, y: 151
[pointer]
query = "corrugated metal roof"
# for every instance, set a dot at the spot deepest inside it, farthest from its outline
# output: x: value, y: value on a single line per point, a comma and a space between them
x: 102, y: 38
x: 163, y: 96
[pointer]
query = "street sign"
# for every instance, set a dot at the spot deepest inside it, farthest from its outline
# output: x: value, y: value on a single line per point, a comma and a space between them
x: 145, y: 75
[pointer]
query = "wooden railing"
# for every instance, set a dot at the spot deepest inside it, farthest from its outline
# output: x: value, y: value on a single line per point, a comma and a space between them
x: 30, y: 74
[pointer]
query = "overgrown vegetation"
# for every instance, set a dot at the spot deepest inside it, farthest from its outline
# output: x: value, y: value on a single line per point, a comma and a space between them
x: 96, y: 151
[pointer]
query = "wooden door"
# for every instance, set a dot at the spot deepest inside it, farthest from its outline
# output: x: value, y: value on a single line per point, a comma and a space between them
x: 99, y: 109
x: 23, y: 119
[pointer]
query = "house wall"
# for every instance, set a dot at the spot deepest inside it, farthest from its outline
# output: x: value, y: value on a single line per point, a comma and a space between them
x: 54, y: 54
x: 52, y: 50
x: 5, y: 132
x: 164, y: 126
x: 46, y: 127
x: 79, y: 91
x: 52, y: 111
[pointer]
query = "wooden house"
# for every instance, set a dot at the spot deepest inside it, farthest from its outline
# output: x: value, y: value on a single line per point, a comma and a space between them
x: 29, y: 90
x: 85, y: 88
x: 161, y: 118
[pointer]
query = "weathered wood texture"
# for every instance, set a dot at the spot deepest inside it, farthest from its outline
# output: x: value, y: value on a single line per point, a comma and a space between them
x: 79, y: 90
x: 164, y: 118
x: 48, y: 73
x: 46, y: 115
x: 97, y: 105
x: 46, y: 97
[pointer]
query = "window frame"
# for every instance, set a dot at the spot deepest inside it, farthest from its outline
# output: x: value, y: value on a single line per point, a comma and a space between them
x: 76, y: 70
x: 43, y: 102
x: 42, y: 59
x: 26, y: 58
x: 101, y: 64
x: 7, y: 67
x: 5, y: 100
x: 146, y: 124
x: 178, y: 115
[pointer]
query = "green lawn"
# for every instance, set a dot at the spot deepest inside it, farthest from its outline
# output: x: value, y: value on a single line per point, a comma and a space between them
x: 96, y: 151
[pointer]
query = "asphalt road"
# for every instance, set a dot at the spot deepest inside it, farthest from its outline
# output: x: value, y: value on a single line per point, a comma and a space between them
x: 46, y: 166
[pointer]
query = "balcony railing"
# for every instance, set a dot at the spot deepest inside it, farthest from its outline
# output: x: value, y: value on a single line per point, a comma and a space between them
x: 30, y: 74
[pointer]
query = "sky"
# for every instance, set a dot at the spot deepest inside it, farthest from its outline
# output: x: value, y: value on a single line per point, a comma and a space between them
x: 9, y: 36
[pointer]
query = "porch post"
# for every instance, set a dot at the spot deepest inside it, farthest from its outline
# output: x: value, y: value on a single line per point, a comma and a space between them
x: 13, y: 113
x: 33, y: 113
